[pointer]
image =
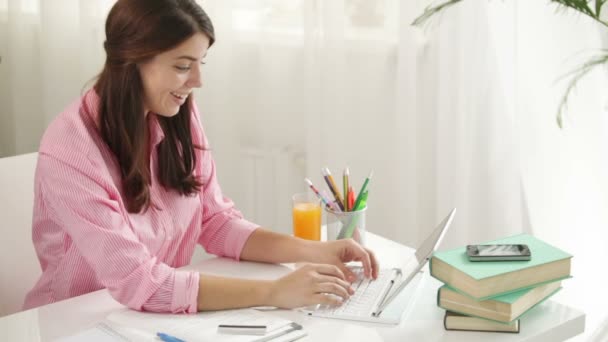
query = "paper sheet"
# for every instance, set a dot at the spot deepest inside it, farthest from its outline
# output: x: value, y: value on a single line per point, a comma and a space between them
x: 99, y: 333
x: 201, y: 326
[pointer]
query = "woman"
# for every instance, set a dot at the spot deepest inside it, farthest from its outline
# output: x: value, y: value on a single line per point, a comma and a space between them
x: 125, y: 186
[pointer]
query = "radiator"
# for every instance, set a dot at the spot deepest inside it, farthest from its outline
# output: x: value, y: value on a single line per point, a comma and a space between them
x: 271, y: 177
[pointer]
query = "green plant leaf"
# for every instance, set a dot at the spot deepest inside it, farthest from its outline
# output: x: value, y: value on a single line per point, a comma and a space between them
x: 581, y: 6
x: 576, y: 75
x: 431, y: 10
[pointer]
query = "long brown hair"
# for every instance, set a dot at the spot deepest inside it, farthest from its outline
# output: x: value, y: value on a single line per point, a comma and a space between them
x: 137, y: 30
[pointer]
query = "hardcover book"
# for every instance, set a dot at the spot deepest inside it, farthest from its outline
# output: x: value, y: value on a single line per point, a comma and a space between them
x: 505, y: 308
x: 455, y: 321
x: 482, y: 280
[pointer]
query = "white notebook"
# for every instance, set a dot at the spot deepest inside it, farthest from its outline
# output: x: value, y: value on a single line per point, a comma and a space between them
x: 102, y: 332
x: 129, y: 325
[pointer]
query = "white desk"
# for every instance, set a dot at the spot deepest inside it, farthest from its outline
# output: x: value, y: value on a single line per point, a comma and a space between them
x: 549, y: 321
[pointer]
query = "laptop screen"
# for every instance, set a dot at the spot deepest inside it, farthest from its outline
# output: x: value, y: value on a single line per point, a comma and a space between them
x: 430, y: 244
x: 423, y: 252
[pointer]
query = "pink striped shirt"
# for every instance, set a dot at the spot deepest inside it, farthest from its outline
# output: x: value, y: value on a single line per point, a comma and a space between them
x: 86, y: 239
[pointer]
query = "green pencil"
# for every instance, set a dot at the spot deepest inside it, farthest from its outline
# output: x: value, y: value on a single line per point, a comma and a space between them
x: 363, y: 189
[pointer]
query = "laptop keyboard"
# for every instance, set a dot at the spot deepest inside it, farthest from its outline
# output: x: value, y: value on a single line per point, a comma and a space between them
x: 368, y: 295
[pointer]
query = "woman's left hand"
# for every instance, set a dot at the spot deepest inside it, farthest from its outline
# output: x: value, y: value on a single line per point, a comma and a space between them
x: 339, y: 252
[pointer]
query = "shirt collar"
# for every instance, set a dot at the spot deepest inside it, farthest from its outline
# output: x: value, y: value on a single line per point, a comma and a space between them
x: 156, y: 132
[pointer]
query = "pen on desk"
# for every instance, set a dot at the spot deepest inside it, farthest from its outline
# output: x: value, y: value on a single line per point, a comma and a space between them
x: 363, y: 190
x: 240, y: 329
x: 168, y: 338
x: 321, y: 197
x: 278, y: 335
x: 332, y: 187
x: 345, y: 185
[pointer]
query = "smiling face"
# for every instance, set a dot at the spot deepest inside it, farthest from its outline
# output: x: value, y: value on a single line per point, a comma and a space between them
x: 169, y: 77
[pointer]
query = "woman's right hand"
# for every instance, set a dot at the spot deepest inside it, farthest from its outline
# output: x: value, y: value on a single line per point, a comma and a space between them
x: 309, y: 285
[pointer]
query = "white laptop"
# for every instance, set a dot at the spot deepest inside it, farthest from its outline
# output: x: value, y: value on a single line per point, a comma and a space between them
x: 384, y: 300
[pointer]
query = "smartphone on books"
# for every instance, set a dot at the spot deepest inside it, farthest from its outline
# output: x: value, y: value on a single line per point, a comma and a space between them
x: 503, y: 252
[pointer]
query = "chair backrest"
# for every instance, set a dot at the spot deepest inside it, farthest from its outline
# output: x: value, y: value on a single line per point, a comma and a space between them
x: 19, y: 267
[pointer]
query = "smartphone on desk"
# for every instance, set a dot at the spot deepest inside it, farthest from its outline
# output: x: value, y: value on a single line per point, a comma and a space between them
x: 511, y: 252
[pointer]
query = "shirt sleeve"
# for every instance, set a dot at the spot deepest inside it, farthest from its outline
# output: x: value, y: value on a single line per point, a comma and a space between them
x: 88, y: 209
x: 224, y: 231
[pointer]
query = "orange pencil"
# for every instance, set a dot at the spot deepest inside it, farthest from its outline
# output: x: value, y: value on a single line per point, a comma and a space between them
x: 351, y: 198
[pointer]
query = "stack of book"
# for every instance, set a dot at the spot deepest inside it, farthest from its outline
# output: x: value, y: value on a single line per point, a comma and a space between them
x: 492, y: 296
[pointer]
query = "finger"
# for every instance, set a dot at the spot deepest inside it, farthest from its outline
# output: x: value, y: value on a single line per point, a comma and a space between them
x: 326, y: 299
x: 363, y: 256
x: 359, y: 253
x: 299, y: 265
x: 331, y: 270
x: 374, y: 261
x: 348, y: 274
x: 340, y: 282
x: 333, y: 288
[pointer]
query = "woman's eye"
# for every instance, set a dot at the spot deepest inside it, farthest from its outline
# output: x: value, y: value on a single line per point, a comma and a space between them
x: 182, y: 68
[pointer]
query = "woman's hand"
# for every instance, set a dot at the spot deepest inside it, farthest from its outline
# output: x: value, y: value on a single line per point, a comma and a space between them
x: 308, y: 285
x: 339, y: 252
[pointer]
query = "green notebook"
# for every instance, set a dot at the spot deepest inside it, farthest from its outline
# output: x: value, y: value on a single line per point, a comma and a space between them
x: 504, y: 308
x: 456, y: 321
x: 482, y: 280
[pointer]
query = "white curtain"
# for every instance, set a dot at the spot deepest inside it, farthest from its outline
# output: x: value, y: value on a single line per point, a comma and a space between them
x: 293, y: 86
x: 459, y: 114
x: 352, y: 83
x: 564, y: 171
x: 49, y: 50
x: 458, y: 127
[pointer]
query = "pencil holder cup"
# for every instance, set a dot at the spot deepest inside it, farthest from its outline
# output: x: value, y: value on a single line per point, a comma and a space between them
x: 345, y: 225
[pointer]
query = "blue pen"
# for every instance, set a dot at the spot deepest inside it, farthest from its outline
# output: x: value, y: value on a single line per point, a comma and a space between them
x: 168, y: 338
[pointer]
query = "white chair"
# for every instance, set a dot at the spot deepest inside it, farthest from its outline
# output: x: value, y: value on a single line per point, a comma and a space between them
x: 19, y: 267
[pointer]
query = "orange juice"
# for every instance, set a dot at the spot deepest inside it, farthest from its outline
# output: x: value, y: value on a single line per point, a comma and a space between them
x: 307, y: 221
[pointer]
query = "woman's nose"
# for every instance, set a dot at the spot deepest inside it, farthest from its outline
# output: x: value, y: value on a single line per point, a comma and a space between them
x: 195, y: 80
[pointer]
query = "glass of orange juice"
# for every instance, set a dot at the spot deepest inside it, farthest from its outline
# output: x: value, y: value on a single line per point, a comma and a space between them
x: 306, y: 211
